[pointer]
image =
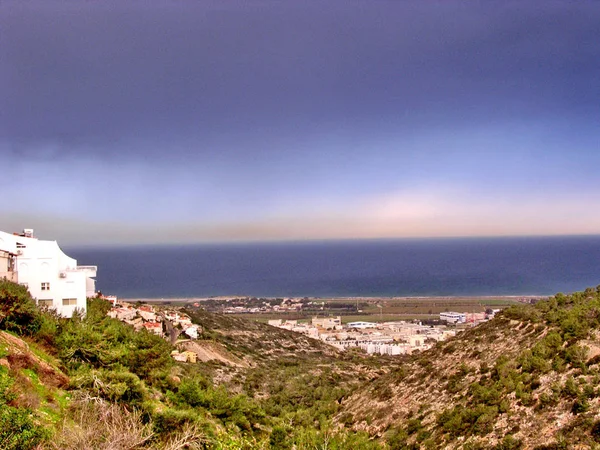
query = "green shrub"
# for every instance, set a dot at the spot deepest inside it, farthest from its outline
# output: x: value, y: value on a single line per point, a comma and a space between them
x: 18, y: 430
x: 461, y: 421
x: 18, y: 311
x: 580, y: 405
x: 170, y: 420
x: 509, y: 442
x: 116, y: 384
x: 280, y: 438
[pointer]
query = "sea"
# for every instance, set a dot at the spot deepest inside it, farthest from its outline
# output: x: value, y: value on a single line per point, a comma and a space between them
x: 520, y: 266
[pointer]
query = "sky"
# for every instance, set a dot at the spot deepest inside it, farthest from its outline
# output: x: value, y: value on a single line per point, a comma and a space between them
x: 174, y: 122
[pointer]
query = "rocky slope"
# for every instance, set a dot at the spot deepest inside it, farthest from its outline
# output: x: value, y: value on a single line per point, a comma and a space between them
x: 528, y: 379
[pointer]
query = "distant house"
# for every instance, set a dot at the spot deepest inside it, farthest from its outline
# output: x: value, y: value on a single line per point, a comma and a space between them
x: 110, y: 298
x: 184, y: 321
x: 173, y: 316
x: 153, y: 327
x: 52, y: 278
x: 192, y: 332
x: 186, y: 356
x: 475, y: 317
x: 147, y: 313
x: 328, y: 323
x: 122, y: 313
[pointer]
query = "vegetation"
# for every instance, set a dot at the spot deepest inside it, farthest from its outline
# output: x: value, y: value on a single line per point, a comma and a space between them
x: 94, y: 382
x: 126, y: 391
x: 498, y: 385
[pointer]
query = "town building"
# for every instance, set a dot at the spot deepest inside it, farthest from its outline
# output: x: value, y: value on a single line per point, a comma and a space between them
x: 52, y: 278
x: 328, y: 323
x: 453, y: 317
x: 153, y: 327
x: 147, y: 313
x: 361, y: 325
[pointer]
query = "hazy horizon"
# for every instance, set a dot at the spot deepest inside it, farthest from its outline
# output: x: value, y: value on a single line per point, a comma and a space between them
x: 169, y: 123
x: 313, y: 242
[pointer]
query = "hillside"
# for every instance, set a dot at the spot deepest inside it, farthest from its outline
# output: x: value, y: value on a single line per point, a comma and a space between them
x: 527, y: 379
x: 94, y: 382
x: 242, y: 347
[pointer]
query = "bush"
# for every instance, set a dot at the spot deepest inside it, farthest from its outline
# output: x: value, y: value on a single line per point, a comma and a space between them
x: 509, y: 443
x: 279, y: 438
x: 18, y: 430
x: 580, y: 405
x: 170, y: 420
x: 115, y: 385
x: 18, y: 311
x: 460, y: 421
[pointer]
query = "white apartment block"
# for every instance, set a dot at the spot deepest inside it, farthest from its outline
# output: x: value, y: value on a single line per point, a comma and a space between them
x: 53, y: 278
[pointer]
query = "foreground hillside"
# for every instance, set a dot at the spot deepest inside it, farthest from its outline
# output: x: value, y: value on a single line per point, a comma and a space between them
x: 94, y: 382
x: 528, y: 379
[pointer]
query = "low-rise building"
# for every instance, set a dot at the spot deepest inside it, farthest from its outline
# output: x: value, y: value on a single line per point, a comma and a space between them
x: 361, y: 325
x: 147, y: 313
x: 123, y: 313
x: 453, y: 317
x: 328, y: 323
x: 153, y: 327
x: 185, y: 356
x: 191, y: 332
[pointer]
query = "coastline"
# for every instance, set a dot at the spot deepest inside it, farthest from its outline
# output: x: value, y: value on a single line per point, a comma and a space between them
x: 340, y: 298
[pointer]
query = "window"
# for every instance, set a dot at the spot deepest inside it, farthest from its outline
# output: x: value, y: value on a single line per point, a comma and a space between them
x: 48, y: 303
x: 69, y: 301
x: 45, y: 286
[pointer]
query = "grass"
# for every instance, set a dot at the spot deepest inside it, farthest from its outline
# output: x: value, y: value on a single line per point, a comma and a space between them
x: 393, y: 309
x: 52, y: 402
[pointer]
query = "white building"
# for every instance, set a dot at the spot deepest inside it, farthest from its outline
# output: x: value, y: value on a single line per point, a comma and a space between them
x: 53, y: 279
x: 453, y: 317
x: 192, y: 332
x: 361, y: 325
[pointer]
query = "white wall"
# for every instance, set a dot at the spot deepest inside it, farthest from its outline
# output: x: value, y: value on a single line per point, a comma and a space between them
x: 44, y: 262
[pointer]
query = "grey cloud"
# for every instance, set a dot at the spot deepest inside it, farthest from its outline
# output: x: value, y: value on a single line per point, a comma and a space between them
x: 107, y: 73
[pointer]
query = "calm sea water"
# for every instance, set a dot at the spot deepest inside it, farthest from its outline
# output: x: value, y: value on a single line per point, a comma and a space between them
x: 423, y: 267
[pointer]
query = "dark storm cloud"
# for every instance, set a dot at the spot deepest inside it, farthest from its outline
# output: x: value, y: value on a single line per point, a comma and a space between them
x: 76, y: 75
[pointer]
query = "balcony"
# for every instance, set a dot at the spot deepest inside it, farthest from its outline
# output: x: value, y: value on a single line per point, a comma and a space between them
x: 10, y: 276
x: 90, y: 270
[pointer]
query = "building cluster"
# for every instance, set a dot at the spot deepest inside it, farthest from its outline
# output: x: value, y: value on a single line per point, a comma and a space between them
x: 265, y: 306
x: 147, y: 317
x: 452, y: 317
x: 53, y: 279
x: 389, y: 338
